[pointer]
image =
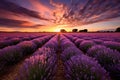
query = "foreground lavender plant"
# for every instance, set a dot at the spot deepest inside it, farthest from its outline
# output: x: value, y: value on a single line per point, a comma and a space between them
x: 10, y: 55
x: 108, y: 58
x: 84, y: 68
x: 38, y: 67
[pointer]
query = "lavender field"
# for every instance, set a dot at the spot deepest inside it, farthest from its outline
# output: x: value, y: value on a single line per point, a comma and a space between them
x: 59, y: 56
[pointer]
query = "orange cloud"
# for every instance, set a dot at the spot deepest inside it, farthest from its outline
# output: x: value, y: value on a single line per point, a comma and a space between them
x: 44, y: 10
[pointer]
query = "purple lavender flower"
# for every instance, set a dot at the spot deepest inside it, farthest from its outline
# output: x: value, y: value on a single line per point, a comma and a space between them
x: 98, y: 41
x: 52, y: 43
x: 85, y: 45
x: 112, y: 45
x: 3, y: 44
x: 38, y: 67
x: 38, y: 42
x: 94, y: 49
x: 110, y: 60
x: 87, y: 38
x: 10, y: 55
x: 44, y: 50
x: 78, y: 41
x: 15, y: 40
x: 74, y: 38
x: 27, y: 47
x: 84, y: 68
x: 69, y: 52
x: 66, y: 44
x: 6, y: 43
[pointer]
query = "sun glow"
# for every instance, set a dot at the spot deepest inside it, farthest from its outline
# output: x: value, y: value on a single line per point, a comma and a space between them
x: 57, y: 30
x: 59, y: 27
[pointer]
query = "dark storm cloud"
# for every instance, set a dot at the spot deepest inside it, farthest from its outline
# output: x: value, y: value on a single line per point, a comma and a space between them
x: 17, y: 23
x: 90, y: 11
x: 17, y: 9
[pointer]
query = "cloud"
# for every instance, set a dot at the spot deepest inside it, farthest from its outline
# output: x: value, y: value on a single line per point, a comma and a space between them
x: 82, y: 12
x: 17, y: 9
x: 17, y: 23
x: 58, y: 12
x: 44, y: 10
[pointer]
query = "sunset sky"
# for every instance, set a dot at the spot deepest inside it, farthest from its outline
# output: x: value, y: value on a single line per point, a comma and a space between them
x: 53, y: 15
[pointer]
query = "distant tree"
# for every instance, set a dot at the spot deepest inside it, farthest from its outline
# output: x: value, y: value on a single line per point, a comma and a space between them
x: 63, y: 30
x: 74, y: 30
x: 118, y: 29
x: 85, y: 30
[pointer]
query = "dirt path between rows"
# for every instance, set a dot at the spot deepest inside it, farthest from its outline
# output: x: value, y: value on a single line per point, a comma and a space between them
x: 60, y: 74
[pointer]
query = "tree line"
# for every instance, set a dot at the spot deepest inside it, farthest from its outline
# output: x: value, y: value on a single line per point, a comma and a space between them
x: 86, y: 30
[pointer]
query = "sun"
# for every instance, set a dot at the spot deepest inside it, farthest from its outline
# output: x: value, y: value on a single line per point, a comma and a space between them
x: 57, y: 30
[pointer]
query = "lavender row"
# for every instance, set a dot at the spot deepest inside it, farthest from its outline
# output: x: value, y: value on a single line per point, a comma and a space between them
x: 108, y: 58
x: 12, y: 54
x: 14, y: 41
x: 8, y: 36
x: 79, y: 66
x: 42, y: 64
x: 84, y: 44
x: 39, y: 67
x: 102, y: 36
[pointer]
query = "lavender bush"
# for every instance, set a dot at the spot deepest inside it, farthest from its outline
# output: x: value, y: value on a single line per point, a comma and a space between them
x: 52, y: 43
x: 74, y: 39
x: 15, y: 40
x: 38, y: 67
x: 86, y: 44
x: 2, y: 44
x: 69, y: 52
x: 40, y: 41
x: 98, y: 41
x: 112, y: 45
x: 27, y: 47
x: 5, y: 43
x: 109, y: 59
x: 65, y: 43
x: 84, y: 68
x: 78, y: 41
x: 10, y: 55
x: 45, y: 50
x: 94, y: 49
